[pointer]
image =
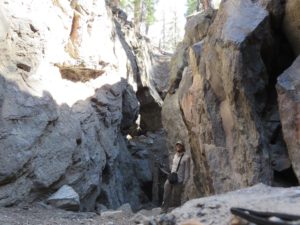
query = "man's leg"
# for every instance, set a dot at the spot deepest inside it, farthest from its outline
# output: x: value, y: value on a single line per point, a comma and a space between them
x: 167, y: 196
x: 176, y: 200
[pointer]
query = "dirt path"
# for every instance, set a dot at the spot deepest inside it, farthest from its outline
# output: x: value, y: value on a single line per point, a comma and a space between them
x: 40, y: 216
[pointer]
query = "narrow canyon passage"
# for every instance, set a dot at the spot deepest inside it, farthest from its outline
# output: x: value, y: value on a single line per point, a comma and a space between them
x: 95, y: 95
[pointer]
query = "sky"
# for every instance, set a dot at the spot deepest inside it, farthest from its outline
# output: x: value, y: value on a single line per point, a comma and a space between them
x: 168, y: 7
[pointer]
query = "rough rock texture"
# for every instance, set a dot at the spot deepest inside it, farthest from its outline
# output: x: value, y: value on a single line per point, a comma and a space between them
x: 180, y: 81
x: 225, y: 99
x: 144, y: 65
x: 291, y: 24
x: 215, y: 210
x: 218, y: 109
x: 65, y: 198
x: 150, y: 153
x: 288, y: 88
x: 67, y: 100
x: 196, y: 29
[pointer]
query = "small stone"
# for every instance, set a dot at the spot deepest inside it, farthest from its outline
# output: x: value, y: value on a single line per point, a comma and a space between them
x: 200, y: 205
x: 111, y: 214
x: 238, y: 221
x: 214, y: 206
x: 126, y: 208
x: 24, y: 67
x: 191, y: 222
x: 33, y: 28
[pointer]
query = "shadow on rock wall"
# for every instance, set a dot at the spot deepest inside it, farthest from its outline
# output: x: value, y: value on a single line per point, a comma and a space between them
x: 44, y: 146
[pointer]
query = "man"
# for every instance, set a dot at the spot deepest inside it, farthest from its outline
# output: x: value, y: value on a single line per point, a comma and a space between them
x: 172, y: 192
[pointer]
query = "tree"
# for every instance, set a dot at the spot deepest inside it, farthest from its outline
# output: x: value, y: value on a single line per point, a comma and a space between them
x: 194, y: 6
x: 142, y: 10
x: 174, y: 34
x: 162, y: 40
x: 137, y: 12
x: 123, y: 4
x: 149, y: 12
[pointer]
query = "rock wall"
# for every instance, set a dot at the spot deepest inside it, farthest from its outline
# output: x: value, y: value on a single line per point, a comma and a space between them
x: 288, y: 86
x: 68, y: 78
x: 227, y: 112
x: 288, y: 97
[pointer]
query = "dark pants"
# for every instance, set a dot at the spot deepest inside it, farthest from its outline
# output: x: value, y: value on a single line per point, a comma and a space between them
x: 172, y: 195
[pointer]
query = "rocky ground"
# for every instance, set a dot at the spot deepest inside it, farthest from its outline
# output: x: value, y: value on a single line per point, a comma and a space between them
x: 214, y: 210
x: 39, y: 215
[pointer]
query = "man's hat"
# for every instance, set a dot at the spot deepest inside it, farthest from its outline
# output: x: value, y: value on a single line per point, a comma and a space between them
x: 179, y: 143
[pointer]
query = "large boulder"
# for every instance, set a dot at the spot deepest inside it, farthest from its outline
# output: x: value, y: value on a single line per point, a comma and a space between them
x: 224, y: 130
x: 288, y: 88
x: 225, y: 99
x: 216, y: 209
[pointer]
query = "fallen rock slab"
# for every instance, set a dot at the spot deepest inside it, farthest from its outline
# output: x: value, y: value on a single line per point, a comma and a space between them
x: 215, y: 210
x: 65, y: 198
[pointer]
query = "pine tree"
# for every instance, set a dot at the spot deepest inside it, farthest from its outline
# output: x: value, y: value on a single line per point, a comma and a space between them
x: 162, y: 41
x: 142, y: 10
x: 174, y: 31
x: 192, y: 6
x: 137, y: 12
x: 149, y: 18
x: 123, y: 4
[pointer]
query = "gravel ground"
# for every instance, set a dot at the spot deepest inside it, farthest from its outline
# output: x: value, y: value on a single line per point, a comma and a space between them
x: 40, y: 216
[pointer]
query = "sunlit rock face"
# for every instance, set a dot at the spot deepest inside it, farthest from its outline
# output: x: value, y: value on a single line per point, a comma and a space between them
x: 227, y: 112
x: 68, y: 81
x: 215, y: 3
x: 181, y: 79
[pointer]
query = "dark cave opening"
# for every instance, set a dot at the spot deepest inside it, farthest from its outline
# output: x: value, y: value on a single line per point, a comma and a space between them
x: 147, y: 189
x: 150, y: 110
x: 286, y: 178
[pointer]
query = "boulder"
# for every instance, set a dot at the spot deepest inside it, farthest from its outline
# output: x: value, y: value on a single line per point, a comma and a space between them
x: 216, y: 209
x: 288, y: 88
x: 126, y: 208
x: 65, y: 198
x: 222, y: 124
x: 224, y: 104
